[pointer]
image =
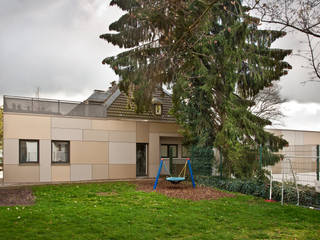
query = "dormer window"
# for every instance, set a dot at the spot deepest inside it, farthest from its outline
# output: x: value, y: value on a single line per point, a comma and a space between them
x: 158, y: 109
x: 157, y: 103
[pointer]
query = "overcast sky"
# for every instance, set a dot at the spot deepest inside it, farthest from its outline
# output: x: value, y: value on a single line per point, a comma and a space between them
x: 55, y: 45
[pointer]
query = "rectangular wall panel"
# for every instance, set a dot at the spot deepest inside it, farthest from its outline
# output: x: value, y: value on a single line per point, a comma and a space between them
x: 66, y: 134
x: 163, y: 128
x: 81, y: 172
x: 142, y: 132
x: 21, y: 174
x: 99, y: 171
x: 95, y: 135
x: 45, y: 160
x: 122, y: 171
x: 88, y: 152
x: 11, y: 151
x: 122, y: 153
x: 154, y: 154
x: 65, y: 122
x: 26, y: 126
x: 60, y: 173
x: 114, y: 125
x: 122, y: 137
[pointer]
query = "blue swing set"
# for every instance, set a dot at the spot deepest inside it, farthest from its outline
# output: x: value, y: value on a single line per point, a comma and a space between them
x: 175, y: 180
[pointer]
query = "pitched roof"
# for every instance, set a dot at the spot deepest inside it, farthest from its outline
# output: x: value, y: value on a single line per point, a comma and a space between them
x: 117, y: 104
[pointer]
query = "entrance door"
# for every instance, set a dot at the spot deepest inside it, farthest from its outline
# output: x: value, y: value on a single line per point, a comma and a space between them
x: 141, y: 164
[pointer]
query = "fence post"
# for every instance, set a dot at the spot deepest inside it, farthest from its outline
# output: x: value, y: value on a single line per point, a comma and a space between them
x: 260, y: 158
x: 170, y: 161
x: 318, y: 163
x: 220, y: 165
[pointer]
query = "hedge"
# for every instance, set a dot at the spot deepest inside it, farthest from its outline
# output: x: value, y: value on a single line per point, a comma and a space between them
x: 308, y: 196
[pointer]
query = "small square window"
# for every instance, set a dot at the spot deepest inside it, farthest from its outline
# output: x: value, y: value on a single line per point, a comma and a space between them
x: 60, y: 152
x: 28, y: 151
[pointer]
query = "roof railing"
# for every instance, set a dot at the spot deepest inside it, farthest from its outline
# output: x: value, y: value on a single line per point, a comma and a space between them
x: 52, y: 107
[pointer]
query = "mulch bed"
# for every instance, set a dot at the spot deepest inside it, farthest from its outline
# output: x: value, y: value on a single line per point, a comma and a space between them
x: 182, y: 190
x: 18, y: 196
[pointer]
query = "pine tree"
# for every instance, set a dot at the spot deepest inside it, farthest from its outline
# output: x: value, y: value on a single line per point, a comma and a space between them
x: 213, y: 56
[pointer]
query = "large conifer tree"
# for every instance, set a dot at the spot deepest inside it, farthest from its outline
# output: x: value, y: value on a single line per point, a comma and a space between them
x: 213, y: 56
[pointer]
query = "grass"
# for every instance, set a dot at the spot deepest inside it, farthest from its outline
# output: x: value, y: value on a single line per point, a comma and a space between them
x: 77, y: 212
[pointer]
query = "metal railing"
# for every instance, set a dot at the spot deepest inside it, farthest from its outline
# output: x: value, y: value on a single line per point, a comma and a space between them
x: 52, y: 107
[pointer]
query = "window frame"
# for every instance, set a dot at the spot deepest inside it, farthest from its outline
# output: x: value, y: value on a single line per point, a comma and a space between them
x: 155, y: 109
x: 182, y: 153
x: 60, y: 141
x: 168, y: 151
x: 20, y: 152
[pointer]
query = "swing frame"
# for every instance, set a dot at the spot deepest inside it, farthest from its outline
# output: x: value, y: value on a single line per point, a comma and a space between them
x: 175, y: 180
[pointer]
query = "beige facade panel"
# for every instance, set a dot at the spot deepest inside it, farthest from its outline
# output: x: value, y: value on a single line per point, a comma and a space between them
x: 122, y: 171
x: 163, y: 128
x: 26, y: 126
x: 114, y: 125
x: 122, y: 153
x: 45, y: 160
x: 11, y: 151
x: 65, y: 122
x: 142, y: 132
x: 129, y: 137
x: 293, y: 137
x: 99, y: 171
x: 60, y: 173
x: 81, y: 172
x: 21, y: 173
x: 66, y: 134
x: 95, y: 135
x: 154, y: 154
x: 311, y: 138
x: 88, y: 152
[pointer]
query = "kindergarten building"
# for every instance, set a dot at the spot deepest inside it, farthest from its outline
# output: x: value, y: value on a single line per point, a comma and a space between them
x: 104, y: 138
x: 99, y: 138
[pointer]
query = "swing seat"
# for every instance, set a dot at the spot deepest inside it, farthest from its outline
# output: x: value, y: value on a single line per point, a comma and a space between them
x: 175, y: 180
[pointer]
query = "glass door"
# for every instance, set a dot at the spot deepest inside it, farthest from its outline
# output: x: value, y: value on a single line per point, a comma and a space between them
x: 141, y: 164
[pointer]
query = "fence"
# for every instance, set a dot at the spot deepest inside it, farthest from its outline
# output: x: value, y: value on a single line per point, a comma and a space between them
x: 52, y: 107
x: 293, y: 174
x: 300, y: 164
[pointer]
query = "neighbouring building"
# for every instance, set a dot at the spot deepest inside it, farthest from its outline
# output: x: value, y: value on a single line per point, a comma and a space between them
x: 99, y: 138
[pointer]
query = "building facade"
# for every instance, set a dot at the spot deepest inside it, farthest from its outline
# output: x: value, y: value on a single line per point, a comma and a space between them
x: 100, y: 138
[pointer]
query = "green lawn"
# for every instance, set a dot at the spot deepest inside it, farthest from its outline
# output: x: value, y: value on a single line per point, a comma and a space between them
x: 76, y: 212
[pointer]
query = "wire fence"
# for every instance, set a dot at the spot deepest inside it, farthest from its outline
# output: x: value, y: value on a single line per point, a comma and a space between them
x: 300, y: 164
x: 292, y: 174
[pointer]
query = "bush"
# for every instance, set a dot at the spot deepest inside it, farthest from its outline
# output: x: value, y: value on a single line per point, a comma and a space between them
x: 308, y: 197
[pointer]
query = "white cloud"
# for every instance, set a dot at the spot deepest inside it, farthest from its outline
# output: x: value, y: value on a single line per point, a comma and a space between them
x: 301, y: 116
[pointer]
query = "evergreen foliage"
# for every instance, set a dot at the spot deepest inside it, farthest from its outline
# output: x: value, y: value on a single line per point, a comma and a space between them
x: 215, y: 59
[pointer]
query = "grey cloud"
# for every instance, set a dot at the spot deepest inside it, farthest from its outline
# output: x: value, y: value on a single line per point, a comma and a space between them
x: 54, y: 45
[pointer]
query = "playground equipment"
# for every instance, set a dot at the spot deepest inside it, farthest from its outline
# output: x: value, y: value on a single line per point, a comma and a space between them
x: 173, y: 179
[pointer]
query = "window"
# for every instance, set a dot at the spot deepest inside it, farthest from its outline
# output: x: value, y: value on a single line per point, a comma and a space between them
x: 158, y: 109
x: 166, y: 149
x: 60, y: 152
x: 185, y: 151
x: 28, y: 151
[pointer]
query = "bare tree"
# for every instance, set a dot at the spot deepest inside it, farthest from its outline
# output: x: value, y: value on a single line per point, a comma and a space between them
x: 298, y: 15
x: 267, y: 104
